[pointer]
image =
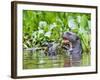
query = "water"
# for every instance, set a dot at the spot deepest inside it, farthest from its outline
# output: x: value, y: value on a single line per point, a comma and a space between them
x: 38, y: 60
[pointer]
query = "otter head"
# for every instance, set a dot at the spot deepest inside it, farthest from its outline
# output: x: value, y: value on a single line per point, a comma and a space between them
x: 70, y: 37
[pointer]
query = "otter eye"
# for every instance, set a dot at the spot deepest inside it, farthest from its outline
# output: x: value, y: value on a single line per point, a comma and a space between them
x: 68, y: 33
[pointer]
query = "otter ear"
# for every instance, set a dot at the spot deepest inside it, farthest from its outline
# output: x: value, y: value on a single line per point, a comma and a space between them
x: 77, y: 38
